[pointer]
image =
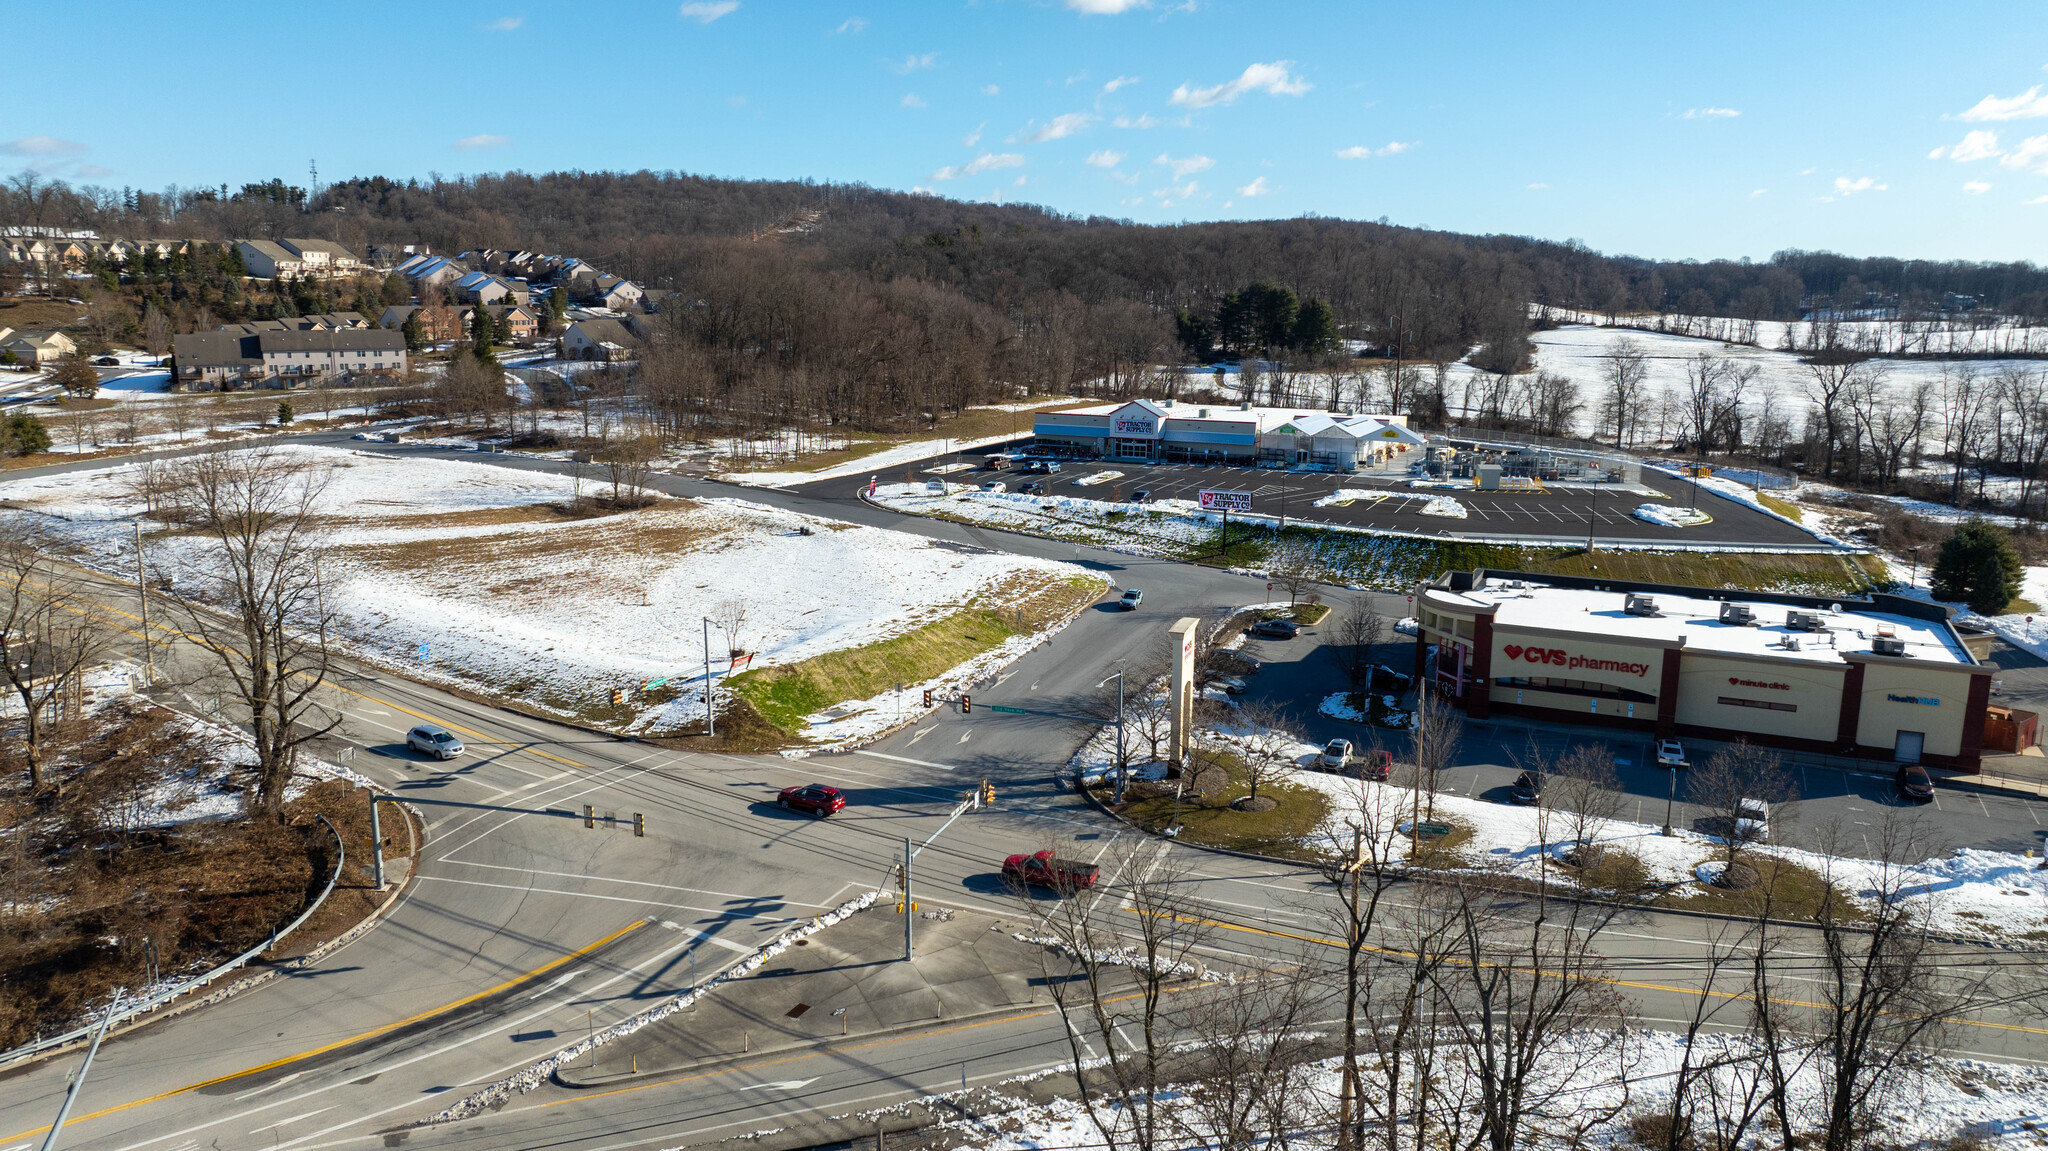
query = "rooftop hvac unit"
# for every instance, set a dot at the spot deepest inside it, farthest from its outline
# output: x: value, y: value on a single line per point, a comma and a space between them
x: 1639, y: 605
x: 1791, y: 643
x: 1888, y: 645
x: 1737, y: 614
x: 1803, y: 621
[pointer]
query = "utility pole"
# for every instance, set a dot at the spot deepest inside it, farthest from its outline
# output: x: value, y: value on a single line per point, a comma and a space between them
x: 78, y: 1082
x: 1670, y: 793
x: 909, y: 908
x: 142, y: 589
x: 710, y: 713
x: 376, y: 843
x: 1119, y: 678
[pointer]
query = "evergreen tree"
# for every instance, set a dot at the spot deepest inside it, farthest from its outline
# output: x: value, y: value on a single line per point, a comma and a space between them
x: 414, y: 338
x: 24, y: 435
x: 1195, y: 333
x: 74, y: 373
x: 558, y: 306
x: 1315, y: 328
x: 481, y: 330
x: 285, y: 414
x: 1978, y: 566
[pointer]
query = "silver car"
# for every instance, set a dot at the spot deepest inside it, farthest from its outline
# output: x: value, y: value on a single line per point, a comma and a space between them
x: 435, y: 740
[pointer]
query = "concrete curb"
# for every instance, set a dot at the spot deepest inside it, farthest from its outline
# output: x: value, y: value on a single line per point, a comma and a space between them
x: 1409, y: 875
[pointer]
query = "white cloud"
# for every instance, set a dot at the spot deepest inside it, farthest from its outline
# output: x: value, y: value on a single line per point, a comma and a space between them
x: 1059, y: 127
x: 1976, y: 187
x: 1185, y: 166
x: 1105, y: 7
x: 1711, y: 113
x: 1534, y: 187
x: 985, y: 162
x: 1981, y: 144
x: 2025, y: 106
x: 1808, y: 171
x: 2030, y: 156
x: 1257, y: 187
x: 42, y: 147
x: 920, y: 188
x: 1104, y: 159
x: 990, y: 90
x: 1176, y: 192
x: 2039, y: 200
x: 91, y: 171
x: 1119, y: 82
x: 1938, y: 153
x: 1019, y: 181
x: 913, y: 100
x: 1758, y: 192
x: 914, y: 63
x: 974, y: 137
x: 1273, y: 79
x: 1124, y: 177
x: 1361, y: 151
x: 1144, y: 121
x: 705, y: 11
x: 854, y: 24
x: 483, y: 143
x: 506, y: 23
x: 1844, y: 186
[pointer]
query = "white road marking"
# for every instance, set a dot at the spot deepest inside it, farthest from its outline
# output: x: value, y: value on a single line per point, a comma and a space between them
x: 587, y: 895
x: 310, y: 1114
x: 782, y: 1085
x: 907, y: 759
x: 1034, y: 685
x: 261, y: 1090
x: 966, y: 734
x: 921, y: 733
x: 1003, y: 678
x: 559, y: 980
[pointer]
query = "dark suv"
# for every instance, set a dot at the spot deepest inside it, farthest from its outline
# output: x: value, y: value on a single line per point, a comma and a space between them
x: 1914, y: 784
x: 1527, y: 788
x: 815, y: 798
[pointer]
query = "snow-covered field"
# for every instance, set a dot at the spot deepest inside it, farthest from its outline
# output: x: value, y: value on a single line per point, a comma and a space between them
x: 910, y: 451
x: 509, y: 595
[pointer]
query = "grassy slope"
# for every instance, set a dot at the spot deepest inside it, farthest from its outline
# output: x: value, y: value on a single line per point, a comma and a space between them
x: 975, y: 425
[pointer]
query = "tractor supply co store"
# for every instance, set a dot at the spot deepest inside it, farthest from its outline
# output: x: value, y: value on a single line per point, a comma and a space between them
x: 1144, y: 431
x: 1884, y: 678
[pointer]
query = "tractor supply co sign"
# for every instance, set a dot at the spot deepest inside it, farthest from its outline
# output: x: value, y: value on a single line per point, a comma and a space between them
x: 1135, y: 425
x: 1216, y: 501
x: 1558, y: 657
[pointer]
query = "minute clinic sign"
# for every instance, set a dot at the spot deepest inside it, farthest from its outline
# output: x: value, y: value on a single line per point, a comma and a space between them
x: 1767, y: 685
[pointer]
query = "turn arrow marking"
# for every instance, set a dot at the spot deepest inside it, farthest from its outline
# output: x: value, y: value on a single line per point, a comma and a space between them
x: 784, y: 1085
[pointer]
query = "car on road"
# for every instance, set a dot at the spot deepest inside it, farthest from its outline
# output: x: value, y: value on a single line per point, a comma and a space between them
x: 1336, y: 754
x: 435, y: 740
x: 1527, y: 788
x: 1752, y: 820
x: 1142, y: 496
x: 1044, y: 869
x: 815, y: 798
x: 1130, y: 600
x: 995, y: 486
x: 1914, y: 784
x: 1379, y: 765
x: 1276, y: 628
x: 108, y: 362
x: 1034, y: 488
x: 1670, y: 753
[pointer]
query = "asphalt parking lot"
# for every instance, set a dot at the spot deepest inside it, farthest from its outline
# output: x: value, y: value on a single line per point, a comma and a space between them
x: 1555, y: 514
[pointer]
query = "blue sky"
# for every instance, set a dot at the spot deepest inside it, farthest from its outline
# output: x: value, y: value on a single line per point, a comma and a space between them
x: 1670, y: 130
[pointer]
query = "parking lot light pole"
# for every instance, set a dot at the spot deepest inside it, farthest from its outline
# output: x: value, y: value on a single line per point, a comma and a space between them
x: 1119, y: 678
x: 1670, y: 794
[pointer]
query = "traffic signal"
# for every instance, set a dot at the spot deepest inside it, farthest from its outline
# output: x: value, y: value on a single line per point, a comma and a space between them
x: 618, y: 696
x: 988, y: 793
x: 966, y: 704
x: 640, y: 824
x: 927, y: 697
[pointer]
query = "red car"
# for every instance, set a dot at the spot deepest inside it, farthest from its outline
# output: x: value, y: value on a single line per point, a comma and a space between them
x: 1047, y: 870
x: 1378, y: 766
x: 815, y: 798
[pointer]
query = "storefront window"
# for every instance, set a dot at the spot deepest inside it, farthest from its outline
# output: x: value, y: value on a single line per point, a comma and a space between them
x: 1574, y: 687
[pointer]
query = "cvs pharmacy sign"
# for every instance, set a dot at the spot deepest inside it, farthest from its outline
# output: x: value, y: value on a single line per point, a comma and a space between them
x: 1558, y: 657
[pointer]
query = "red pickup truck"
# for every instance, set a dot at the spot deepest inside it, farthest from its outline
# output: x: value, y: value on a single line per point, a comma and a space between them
x: 1047, y: 870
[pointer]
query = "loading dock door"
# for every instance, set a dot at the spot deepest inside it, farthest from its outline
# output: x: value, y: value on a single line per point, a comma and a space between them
x: 1907, y: 749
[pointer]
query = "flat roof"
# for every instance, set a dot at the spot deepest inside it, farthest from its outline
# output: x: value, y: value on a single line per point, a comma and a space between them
x: 1697, y: 621
x: 1266, y: 419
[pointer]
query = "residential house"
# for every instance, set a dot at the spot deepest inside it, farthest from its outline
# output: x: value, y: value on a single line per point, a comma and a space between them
x: 516, y: 323
x: 40, y: 349
x: 598, y: 339
x: 208, y: 360
x: 439, y: 323
x: 322, y: 256
x: 267, y: 260
x: 319, y: 322
x: 431, y: 274
x: 619, y: 295
x: 480, y: 288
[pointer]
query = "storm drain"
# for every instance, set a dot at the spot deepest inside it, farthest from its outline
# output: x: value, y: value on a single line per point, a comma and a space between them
x: 799, y: 1009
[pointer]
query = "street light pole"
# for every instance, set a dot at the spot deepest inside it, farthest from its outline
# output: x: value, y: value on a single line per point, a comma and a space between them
x: 1670, y: 793
x: 71, y: 1096
x: 142, y: 590
x: 710, y: 712
x: 1119, y: 678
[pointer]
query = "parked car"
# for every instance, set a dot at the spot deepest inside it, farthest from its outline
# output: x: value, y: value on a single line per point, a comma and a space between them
x: 1914, y: 784
x: 1034, y: 488
x: 1379, y: 765
x: 995, y: 486
x: 1276, y: 628
x: 1034, y: 467
x: 1406, y: 626
x: 1752, y: 820
x: 1045, y: 869
x: 1384, y: 678
x: 435, y: 740
x: 1142, y: 496
x: 1527, y: 788
x: 1232, y: 662
x: 1051, y: 466
x: 815, y: 798
x: 1228, y: 684
x: 108, y: 362
x: 1336, y: 754
x: 1670, y: 754
x: 1130, y: 600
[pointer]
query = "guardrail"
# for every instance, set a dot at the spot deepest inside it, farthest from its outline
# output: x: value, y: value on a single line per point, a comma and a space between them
x: 165, y: 997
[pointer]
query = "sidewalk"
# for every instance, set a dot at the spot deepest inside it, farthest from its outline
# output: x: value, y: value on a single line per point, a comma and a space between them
x: 966, y: 965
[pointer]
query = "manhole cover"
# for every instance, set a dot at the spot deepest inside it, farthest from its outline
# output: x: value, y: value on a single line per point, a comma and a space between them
x: 798, y: 1010
x: 803, y: 943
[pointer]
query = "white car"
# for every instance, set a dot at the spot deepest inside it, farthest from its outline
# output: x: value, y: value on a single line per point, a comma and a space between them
x: 995, y: 486
x: 1130, y: 600
x: 1670, y: 754
x: 1230, y: 684
x: 1406, y: 626
x: 1335, y: 755
x: 1752, y: 820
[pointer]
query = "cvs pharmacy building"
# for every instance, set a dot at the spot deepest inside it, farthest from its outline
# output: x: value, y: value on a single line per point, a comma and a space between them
x: 1883, y: 678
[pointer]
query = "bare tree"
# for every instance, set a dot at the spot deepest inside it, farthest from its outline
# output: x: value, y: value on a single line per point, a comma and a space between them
x: 1359, y: 874
x: 629, y: 466
x: 268, y: 639
x: 730, y: 616
x: 156, y: 332
x: 1250, y: 1043
x: 1586, y: 794
x: 1735, y: 776
x: 1262, y: 739
x: 1360, y: 628
x: 1294, y: 565
x: 1438, y: 730
x: 49, y: 634
x: 1625, y: 369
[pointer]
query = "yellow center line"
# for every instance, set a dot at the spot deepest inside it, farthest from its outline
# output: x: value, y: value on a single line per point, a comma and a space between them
x: 372, y: 1033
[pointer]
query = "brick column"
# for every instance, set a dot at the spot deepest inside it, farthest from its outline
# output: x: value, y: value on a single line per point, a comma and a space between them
x: 1479, y: 698
x: 1970, y: 756
x: 1667, y: 694
x: 1421, y: 655
x: 1852, y: 707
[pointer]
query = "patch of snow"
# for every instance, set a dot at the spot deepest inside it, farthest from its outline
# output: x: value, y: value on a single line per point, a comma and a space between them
x: 1444, y: 506
x: 1664, y: 515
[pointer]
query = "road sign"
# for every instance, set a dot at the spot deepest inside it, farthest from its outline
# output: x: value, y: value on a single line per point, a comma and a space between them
x: 1222, y: 501
x: 651, y: 684
x: 423, y: 651
x: 1006, y: 710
